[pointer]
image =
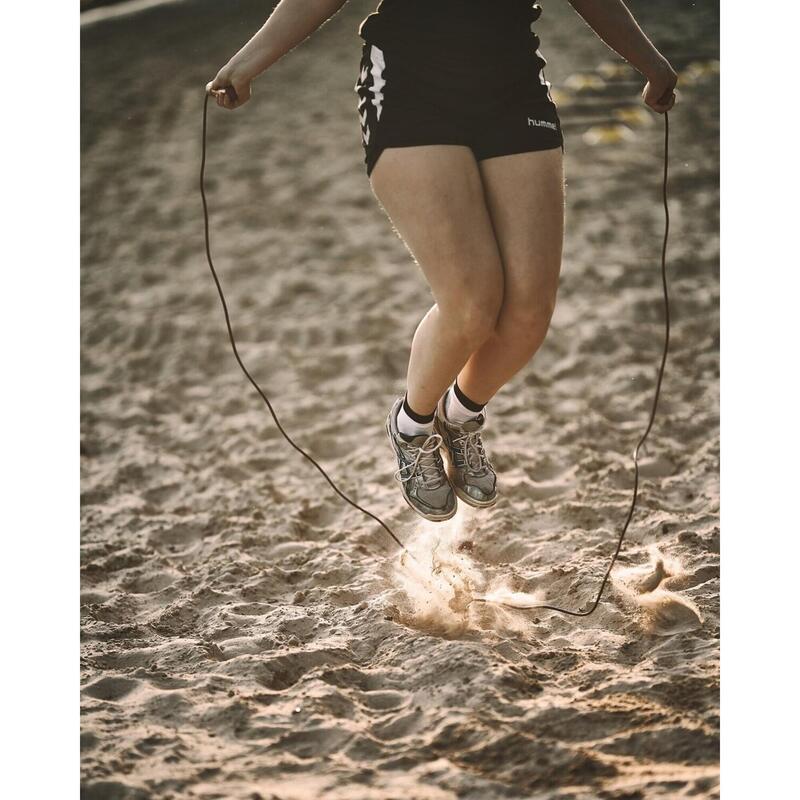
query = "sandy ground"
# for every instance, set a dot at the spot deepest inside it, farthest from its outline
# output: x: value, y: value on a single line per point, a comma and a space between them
x: 245, y: 635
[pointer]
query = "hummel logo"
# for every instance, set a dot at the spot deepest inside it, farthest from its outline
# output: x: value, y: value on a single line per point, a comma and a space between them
x: 542, y: 123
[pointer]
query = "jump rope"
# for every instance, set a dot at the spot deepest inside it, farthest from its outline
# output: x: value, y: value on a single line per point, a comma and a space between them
x: 232, y: 95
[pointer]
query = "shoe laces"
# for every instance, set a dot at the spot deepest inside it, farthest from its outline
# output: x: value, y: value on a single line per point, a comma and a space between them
x: 469, y: 446
x: 426, y: 464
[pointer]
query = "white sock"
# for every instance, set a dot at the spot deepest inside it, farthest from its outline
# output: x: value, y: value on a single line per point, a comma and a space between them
x: 456, y: 411
x: 410, y: 427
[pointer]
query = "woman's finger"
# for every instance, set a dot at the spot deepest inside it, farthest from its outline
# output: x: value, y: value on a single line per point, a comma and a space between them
x: 666, y: 103
x: 226, y: 94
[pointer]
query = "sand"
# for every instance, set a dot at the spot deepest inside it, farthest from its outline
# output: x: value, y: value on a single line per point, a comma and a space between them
x: 245, y: 634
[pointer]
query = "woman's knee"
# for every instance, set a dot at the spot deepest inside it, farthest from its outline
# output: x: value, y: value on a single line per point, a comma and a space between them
x: 527, y: 318
x: 473, y: 315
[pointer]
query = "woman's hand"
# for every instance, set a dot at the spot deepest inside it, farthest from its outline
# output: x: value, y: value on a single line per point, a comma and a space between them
x: 659, y: 93
x: 231, y: 87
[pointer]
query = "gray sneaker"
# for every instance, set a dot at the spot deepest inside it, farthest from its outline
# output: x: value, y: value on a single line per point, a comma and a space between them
x: 469, y: 470
x: 421, y: 472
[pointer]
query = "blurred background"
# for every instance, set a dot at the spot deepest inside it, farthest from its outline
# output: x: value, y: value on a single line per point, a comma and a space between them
x: 242, y: 632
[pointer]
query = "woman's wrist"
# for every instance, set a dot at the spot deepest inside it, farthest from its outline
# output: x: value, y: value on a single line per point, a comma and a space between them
x: 246, y: 67
x: 657, y: 68
x: 254, y: 58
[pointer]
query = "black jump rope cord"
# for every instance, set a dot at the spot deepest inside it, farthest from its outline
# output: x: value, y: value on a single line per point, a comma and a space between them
x: 365, y: 511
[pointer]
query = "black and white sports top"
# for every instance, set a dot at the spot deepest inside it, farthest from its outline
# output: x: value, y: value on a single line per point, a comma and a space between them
x: 485, y: 25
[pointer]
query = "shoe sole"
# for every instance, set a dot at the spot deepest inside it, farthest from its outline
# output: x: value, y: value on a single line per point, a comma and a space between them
x: 471, y: 501
x: 429, y: 517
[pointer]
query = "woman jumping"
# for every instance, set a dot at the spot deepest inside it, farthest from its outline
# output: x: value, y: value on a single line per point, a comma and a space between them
x: 463, y: 149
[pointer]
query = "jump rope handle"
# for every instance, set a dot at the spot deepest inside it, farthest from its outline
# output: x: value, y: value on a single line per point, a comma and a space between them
x: 668, y: 96
x: 229, y: 91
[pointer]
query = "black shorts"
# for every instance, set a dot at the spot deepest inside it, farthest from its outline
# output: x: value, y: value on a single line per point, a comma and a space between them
x: 405, y: 100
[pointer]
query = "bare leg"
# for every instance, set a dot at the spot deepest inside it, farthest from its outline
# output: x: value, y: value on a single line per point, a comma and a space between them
x: 434, y: 197
x: 525, y: 196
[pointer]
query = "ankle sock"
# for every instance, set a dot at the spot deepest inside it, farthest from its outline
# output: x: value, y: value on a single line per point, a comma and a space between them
x: 458, y: 407
x: 411, y: 424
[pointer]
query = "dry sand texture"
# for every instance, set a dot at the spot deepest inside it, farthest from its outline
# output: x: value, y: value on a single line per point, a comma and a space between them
x: 247, y: 635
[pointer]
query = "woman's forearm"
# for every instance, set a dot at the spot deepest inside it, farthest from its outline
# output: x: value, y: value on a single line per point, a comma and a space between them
x: 289, y: 24
x: 615, y: 25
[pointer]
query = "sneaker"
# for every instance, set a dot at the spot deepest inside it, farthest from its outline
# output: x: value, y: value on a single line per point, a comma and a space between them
x: 421, y: 471
x: 469, y: 470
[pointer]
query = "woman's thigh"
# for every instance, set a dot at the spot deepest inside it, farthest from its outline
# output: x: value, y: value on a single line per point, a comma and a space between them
x: 434, y: 196
x: 525, y: 197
